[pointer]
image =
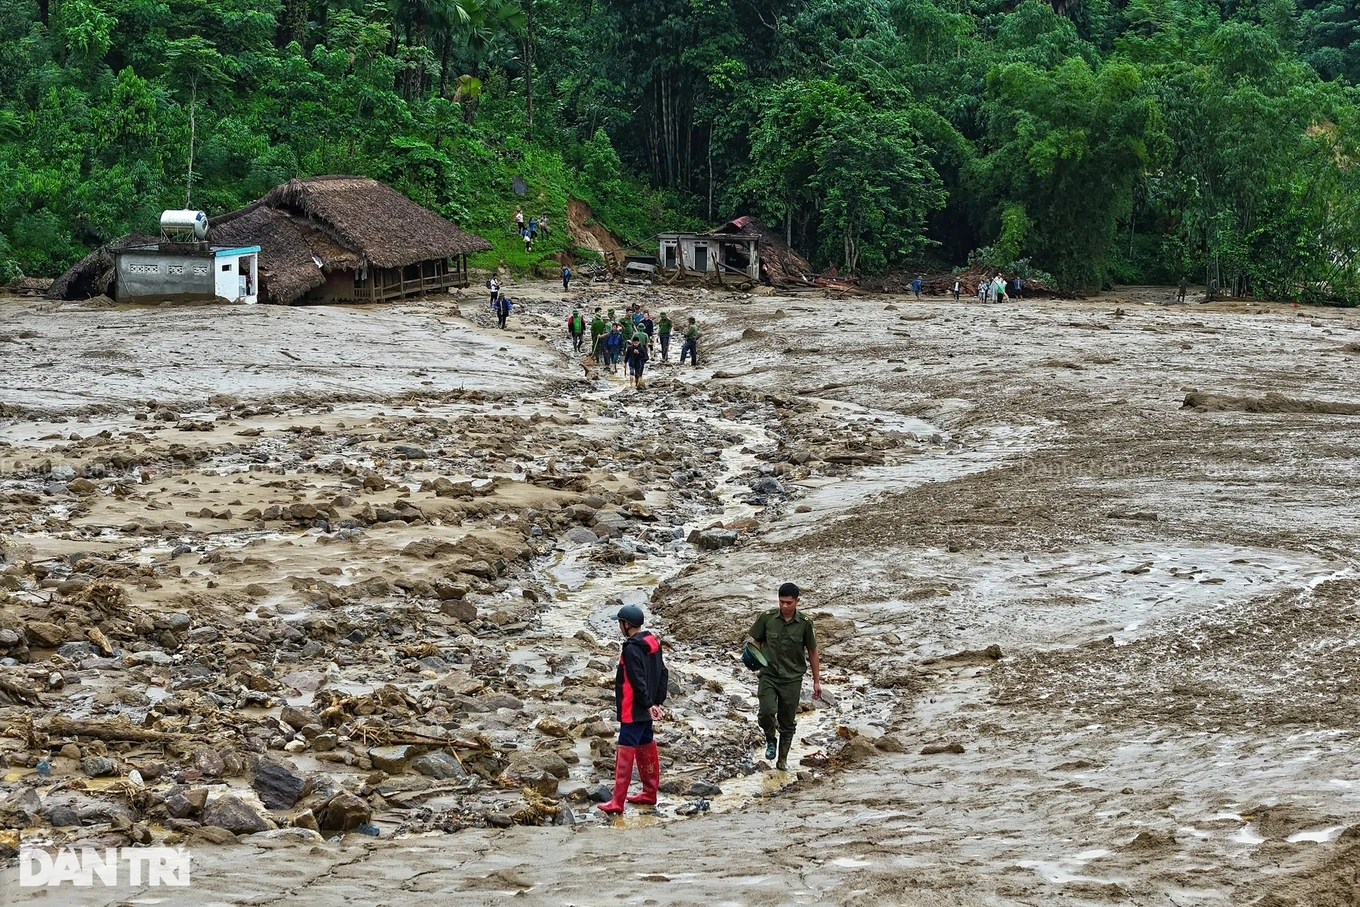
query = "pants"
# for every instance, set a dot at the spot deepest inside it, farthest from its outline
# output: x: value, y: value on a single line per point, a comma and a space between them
x: 566, y: 283
x: 635, y: 733
x: 500, y: 318
x: 577, y: 340
x: 778, y: 705
x: 666, y: 346
x: 689, y: 348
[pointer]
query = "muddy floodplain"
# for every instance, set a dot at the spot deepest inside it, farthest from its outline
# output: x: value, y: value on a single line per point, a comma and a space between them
x: 330, y: 590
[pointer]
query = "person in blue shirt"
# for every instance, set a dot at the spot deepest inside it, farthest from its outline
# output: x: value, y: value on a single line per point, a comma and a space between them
x: 566, y: 278
x: 613, y: 348
x: 916, y: 288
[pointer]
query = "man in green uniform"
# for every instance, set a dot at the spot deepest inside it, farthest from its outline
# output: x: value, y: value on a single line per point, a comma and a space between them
x: 784, y: 636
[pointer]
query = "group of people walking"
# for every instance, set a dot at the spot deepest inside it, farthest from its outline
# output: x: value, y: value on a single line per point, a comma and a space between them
x: 529, y: 230
x: 787, y: 643
x: 631, y: 338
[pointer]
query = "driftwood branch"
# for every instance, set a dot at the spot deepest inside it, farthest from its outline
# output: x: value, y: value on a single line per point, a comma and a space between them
x: 113, y: 731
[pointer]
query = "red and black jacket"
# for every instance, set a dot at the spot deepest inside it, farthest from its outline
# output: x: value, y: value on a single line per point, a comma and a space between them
x: 641, y: 679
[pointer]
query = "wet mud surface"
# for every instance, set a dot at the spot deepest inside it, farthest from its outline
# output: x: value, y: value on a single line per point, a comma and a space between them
x: 1083, y: 575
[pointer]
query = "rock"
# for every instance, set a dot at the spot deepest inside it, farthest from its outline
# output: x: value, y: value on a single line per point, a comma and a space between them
x: 890, y: 744
x: 209, y: 761
x: 448, y: 591
x: 859, y: 749
x: 174, y: 621
x: 149, y: 657
x: 703, y: 789
x: 63, y: 817
x: 932, y: 749
x: 392, y: 759
x: 580, y: 535
x: 43, y: 635
x: 439, y: 765
x: 235, y: 815
x: 293, y: 836
x: 713, y: 539
x: 552, y: 727
x: 344, y: 812
x: 459, y: 610
x: 98, y: 766
x: 297, y: 718
x: 600, y: 793
x: 81, y: 486
x: 546, y: 761
x: 9, y: 639
x: 213, y: 835
x: 63, y: 473
x: 139, y: 834
x: 306, y: 819
x: 279, y: 784
x: 178, y: 806
x: 767, y: 485
x: 410, y: 452
x: 25, y: 806
x: 494, y: 701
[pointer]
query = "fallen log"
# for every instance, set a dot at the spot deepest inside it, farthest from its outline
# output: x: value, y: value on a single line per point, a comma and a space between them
x: 113, y: 731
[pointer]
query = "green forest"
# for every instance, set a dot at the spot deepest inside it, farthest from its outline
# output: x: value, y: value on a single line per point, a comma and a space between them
x: 1082, y: 141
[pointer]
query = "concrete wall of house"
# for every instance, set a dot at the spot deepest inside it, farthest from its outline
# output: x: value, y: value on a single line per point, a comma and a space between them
x: 142, y: 274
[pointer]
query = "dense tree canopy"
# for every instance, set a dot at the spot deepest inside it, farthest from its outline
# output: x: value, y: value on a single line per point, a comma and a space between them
x: 1092, y: 140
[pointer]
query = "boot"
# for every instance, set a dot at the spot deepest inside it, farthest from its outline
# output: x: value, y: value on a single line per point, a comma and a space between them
x: 785, y: 742
x: 770, y: 744
x: 623, y: 774
x: 649, y: 770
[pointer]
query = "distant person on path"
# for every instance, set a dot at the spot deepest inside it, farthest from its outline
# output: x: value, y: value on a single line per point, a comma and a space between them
x: 664, y: 332
x: 528, y: 241
x: 999, y: 288
x: 613, y: 348
x: 916, y: 288
x: 494, y: 287
x: 957, y: 287
x: 984, y: 291
x: 691, y: 345
x: 576, y: 326
x: 519, y: 220
x: 533, y: 228
x: 543, y: 225
x: 503, y: 305
x: 640, y: 683
x: 635, y: 359
x: 566, y: 279
x: 784, y: 636
x: 1181, y: 288
x: 1213, y: 289
x: 1019, y: 288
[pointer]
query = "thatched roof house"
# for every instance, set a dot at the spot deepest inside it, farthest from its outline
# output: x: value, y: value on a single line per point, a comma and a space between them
x: 328, y: 239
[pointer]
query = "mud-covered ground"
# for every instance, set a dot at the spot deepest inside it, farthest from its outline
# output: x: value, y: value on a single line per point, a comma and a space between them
x: 335, y: 583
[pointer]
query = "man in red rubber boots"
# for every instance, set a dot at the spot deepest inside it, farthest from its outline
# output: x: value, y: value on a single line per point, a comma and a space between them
x: 640, y: 683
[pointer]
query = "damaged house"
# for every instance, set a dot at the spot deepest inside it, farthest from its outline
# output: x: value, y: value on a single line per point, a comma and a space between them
x: 322, y: 240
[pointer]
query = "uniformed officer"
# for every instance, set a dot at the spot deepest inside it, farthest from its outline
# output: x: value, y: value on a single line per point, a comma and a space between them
x: 786, y: 638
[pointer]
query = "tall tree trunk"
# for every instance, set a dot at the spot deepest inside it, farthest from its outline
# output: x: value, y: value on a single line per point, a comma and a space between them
x: 43, y: 11
x: 529, y: 64
x: 193, y: 133
x: 444, y: 64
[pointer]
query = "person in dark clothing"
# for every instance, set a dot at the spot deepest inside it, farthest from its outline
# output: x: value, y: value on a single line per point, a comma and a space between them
x: 613, y: 348
x: 916, y: 288
x: 566, y: 279
x: 1181, y: 288
x: 635, y: 359
x: 640, y: 682
x: 664, y: 326
x: 502, y: 310
x: 690, y: 347
x: 648, y: 328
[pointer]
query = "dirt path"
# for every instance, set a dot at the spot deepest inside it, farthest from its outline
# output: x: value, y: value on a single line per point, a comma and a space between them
x: 1135, y: 621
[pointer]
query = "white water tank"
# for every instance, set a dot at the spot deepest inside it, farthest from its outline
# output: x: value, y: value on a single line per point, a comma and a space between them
x: 183, y: 220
